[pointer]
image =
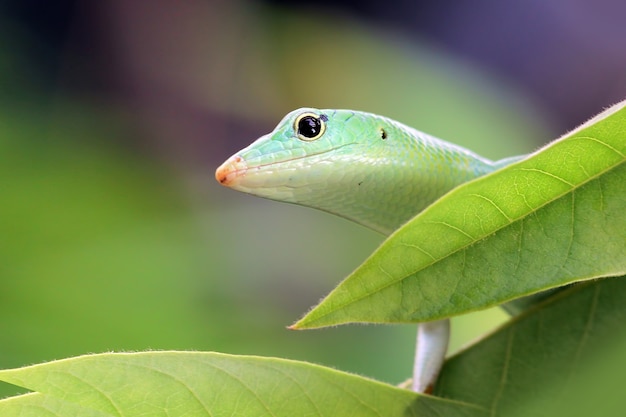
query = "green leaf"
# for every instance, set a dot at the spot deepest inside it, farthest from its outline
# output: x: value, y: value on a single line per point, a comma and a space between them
x: 554, y: 218
x: 37, y: 405
x: 567, y: 356
x: 209, y: 384
x: 564, y: 357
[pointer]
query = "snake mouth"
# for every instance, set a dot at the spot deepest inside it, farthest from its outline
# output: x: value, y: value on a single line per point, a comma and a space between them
x: 234, y: 167
x: 244, y: 175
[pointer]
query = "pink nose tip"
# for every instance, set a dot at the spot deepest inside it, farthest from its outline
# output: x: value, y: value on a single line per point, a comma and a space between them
x: 233, y: 168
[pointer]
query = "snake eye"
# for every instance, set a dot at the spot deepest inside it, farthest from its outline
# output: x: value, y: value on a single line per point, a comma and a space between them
x: 309, y: 126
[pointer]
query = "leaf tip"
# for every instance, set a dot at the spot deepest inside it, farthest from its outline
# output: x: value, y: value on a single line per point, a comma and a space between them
x: 298, y: 325
x: 305, y: 323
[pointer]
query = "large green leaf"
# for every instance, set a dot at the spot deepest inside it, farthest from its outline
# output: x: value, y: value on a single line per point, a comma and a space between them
x: 209, y: 384
x: 564, y: 357
x: 554, y: 218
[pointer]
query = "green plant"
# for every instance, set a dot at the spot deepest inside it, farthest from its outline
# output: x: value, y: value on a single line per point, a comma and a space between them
x: 556, y: 218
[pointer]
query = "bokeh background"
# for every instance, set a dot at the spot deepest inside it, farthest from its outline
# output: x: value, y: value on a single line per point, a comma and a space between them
x: 114, y: 115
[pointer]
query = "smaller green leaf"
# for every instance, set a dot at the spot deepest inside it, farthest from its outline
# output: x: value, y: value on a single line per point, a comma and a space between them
x: 209, y: 384
x: 542, y: 359
x: 554, y: 218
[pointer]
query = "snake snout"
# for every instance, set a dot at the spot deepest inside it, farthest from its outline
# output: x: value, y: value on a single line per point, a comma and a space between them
x: 229, y: 171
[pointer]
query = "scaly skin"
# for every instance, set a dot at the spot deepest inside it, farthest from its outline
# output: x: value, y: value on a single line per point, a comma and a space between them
x: 364, y: 167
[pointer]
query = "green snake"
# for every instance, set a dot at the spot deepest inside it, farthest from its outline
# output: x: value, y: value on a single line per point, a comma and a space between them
x: 366, y: 168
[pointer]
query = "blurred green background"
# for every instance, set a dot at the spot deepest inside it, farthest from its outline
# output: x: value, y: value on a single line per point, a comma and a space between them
x: 114, y: 115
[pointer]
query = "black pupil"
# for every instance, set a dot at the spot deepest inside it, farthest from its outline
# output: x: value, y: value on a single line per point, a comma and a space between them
x: 309, y: 126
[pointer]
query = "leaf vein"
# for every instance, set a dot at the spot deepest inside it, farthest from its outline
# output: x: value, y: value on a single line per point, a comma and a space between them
x: 414, y: 246
x: 300, y: 387
x: 96, y: 389
x: 505, y: 371
x: 451, y: 227
x: 174, y: 378
x: 548, y: 174
x: 590, y: 138
x: 493, y: 203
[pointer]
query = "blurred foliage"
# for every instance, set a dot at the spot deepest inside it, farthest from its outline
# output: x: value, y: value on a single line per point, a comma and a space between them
x: 110, y: 242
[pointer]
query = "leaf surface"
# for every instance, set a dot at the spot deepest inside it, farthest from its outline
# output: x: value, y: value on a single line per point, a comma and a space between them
x: 209, y: 384
x: 557, y: 217
x: 567, y: 355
